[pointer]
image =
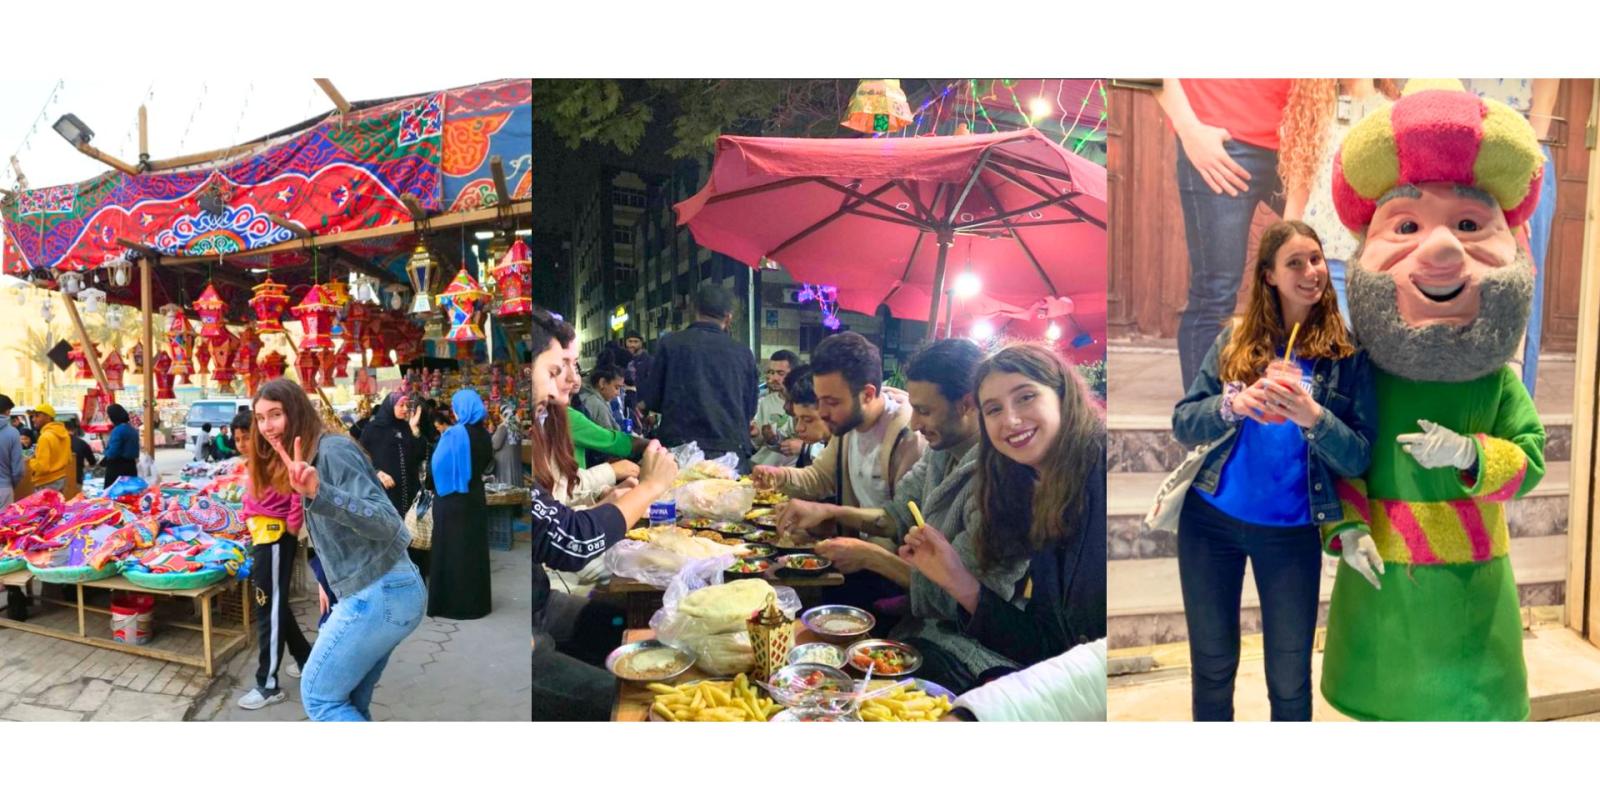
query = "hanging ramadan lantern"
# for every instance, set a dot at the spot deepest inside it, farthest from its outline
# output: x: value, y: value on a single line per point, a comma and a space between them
x: 180, y: 345
x: 136, y: 355
x: 325, y: 367
x: 92, y: 299
x: 77, y: 356
x: 213, y: 315
x: 515, y: 275
x: 47, y: 310
x: 114, y: 368
x: 316, y: 319
x: 224, y: 354
x: 164, y: 377
x: 339, y: 298
x: 420, y: 269
x: 399, y: 296
x: 464, y: 350
x: 70, y: 283
x: 93, y: 410
x: 460, y: 301
x: 878, y: 106
x: 268, y: 302
x: 119, y: 268
x: 202, y: 356
x: 305, y: 362
x: 272, y: 366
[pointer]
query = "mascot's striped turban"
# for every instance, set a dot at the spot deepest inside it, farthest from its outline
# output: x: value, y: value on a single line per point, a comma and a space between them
x: 1438, y: 132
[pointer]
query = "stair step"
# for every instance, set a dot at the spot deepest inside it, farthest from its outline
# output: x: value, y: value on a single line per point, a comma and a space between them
x: 1146, y: 602
x: 1543, y: 512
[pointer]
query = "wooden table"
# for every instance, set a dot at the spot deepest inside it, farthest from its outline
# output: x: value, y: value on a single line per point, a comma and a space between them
x: 633, y: 699
x: 230, y: 638
x: 641, y: 600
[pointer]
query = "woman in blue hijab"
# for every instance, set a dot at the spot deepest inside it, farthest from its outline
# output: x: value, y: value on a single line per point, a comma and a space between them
x: 460, y: 568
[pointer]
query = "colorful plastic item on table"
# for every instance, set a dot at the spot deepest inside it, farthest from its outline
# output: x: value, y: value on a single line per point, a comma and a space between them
x: 174, y: 581
x: 214, y: 517
x: 461, y: 300
x: 77, y: 574
x: 12, y: 564
x: 133, y: 536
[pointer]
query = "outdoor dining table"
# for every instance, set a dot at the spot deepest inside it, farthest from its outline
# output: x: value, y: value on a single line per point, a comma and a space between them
x: 641, y: 600
x: 634, y: 698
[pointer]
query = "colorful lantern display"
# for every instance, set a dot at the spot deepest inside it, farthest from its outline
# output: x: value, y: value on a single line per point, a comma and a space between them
x: 213, y: 311
x: 316, y: 319
x: 420, y: 270
x: 114, y: 368
x: 225, y: 355
x: 305, y: 363
x: 180, y: 345
x: 515, y: 278
x: 461, y: 301
x: 93, y: 411
x: 272, y: 366
x: 136, y: 355
x: 164, y: 377
x: 202, y: 356
x: 878, y: 106
x: 268, y: 302
x: 79, y: 358
x: 91, y: 299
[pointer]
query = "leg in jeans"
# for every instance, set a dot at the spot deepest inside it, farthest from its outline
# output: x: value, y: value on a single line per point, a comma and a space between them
x: 1539, y: 226
x: 1217, y: 230
x: 1336, y: 268
x: 566, y: 689
x: 354, y: 645
x: 1211, y: 573
x: 1287, y: 564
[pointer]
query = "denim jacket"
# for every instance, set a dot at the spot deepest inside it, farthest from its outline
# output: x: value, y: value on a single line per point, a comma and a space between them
x: 1340, y: 442
x: 358, y: 535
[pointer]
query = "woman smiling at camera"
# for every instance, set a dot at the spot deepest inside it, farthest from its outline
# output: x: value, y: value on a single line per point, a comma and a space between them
x: 1281, y: 431
x: 1042, y: 493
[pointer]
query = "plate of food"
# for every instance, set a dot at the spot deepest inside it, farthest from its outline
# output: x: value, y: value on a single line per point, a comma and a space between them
x: 765, y: 517
x: 804, y: 563
x: 770, y: 497
x: 922, y: 701
x: 837, y: 623
x: 747, y: 568
x: 828, y: 655
x: 732, y: 528
x: 737, y: 700
x: 755, y: 550
x: 648, y: 661
x: 811, y: 686
x: 762, y: 536
x: 887, y: 658
x: 812, y: 715
x: 794, y: 542
x: 698, y: 523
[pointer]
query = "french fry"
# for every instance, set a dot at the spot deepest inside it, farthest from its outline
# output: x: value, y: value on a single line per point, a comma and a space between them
x: 662, y: 709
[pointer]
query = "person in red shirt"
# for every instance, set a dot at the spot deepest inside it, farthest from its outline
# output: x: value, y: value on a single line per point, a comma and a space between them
x: 1228, y: 137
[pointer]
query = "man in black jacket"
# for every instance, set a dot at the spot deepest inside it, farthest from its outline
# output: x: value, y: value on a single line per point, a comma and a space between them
x: 703, y: 382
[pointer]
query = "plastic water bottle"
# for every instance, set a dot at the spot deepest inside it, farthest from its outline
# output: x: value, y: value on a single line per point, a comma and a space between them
x: 663, y: 515
x: 627, y: 426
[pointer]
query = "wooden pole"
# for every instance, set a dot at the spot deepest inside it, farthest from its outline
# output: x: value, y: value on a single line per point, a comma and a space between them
x: 192, y: 159
x: 144, y: 137
x: 1583, y: 513
x: 89, y: 352
x: 16, y: 166
x: 333, y: 94
x: 148, y: 432
x: 498, y: 171
x: 108, y: 160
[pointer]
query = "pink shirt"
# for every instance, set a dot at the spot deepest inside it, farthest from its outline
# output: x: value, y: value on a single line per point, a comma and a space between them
x: 276, y: 504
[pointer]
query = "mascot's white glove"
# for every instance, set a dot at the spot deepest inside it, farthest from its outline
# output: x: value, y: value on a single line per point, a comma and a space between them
x: 1361, y: 553
x: 1438, y: 446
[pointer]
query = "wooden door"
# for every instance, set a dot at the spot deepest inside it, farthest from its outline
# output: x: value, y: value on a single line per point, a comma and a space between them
x: 1569, y: 156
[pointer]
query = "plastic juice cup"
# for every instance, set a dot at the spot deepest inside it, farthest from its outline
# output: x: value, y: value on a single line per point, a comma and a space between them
x: 1286, y: 374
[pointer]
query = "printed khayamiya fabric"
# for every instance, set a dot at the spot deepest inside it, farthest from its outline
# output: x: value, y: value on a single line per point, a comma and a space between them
x: 187, y: 549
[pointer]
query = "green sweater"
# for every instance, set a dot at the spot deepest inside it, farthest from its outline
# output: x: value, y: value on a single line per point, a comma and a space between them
x: 586, y: 436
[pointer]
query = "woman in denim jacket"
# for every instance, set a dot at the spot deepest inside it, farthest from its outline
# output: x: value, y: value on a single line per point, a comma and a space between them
x: 359, y: 538
x: 1261, y: 494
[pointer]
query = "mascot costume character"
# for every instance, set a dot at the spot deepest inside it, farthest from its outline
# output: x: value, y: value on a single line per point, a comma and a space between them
x: 1424, y: 623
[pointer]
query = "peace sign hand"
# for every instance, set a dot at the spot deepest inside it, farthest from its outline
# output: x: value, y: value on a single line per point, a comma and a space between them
x: 302, y: 476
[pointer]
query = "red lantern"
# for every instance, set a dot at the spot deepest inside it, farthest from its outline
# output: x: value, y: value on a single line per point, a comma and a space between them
x: 316, y: 319
x: 114, y: 367
x: 180, y: 344
x: 272, y: 366
x: 325, y: 366
x: 514, y: 276
x: 77, y: 356
x: 202, y: 356
x: 305, y: 363
x: 136, y: 355
x: 93, y: 411
x: 268, y: 303
x: 164, y: 377
x: 464, y: 351
x: 225, y: 355
x: 213, y: 311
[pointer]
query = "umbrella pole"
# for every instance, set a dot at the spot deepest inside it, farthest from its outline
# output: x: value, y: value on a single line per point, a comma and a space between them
x: 946, y: 238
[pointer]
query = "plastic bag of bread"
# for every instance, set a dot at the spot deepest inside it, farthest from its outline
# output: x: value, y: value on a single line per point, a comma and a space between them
x: 697, y: 604
x: 725, y: 653
x: 715, y: 498
x: 658, y: 557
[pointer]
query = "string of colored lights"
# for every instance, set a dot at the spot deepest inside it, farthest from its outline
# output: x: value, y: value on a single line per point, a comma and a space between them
x: 993, y: 128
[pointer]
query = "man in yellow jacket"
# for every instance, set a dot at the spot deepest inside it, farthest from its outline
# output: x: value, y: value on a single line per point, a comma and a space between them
x: 52, y: 455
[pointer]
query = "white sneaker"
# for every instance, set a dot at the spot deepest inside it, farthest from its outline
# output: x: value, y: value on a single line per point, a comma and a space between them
x: 255, y: 700
x: 292, y: 669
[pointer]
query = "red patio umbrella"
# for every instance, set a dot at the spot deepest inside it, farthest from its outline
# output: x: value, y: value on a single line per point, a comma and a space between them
x: 886, y: 219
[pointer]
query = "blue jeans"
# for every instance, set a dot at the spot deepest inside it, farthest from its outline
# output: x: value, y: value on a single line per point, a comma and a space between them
x: 1539, y: 240
x: 1217, y: 230
x: 1212, y: 548
x: 354, y: 646
x: 1336, y: 268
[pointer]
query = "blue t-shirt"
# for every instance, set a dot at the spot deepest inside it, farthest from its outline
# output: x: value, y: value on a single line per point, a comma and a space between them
x: 1264, y: 480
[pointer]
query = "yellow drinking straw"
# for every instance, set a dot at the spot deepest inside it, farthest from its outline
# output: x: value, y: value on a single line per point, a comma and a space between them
x: 1288, y: 352
x: 916, y: 514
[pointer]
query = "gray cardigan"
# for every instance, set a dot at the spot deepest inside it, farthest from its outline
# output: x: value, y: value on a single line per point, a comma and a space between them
x: 354, y: 527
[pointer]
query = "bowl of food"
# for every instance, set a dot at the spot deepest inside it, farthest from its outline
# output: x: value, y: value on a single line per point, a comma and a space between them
x: 811, y: 686
x: 755, y: 550
x: 794, y: 542
x: 828, y: 655
x: 812, y: 715
x: 649, y: 661
x: 697, y: 523
x: 733, y: 528
x: 887, y: 658
x: 747, y: 568
x: 804, y: 563
x: 762, y: 535
x: 770, y: 497
x: 765, y: 517
x: 838, y: 624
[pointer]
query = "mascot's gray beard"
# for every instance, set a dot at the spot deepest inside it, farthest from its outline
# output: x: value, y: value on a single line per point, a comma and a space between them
x: 1442, y: 353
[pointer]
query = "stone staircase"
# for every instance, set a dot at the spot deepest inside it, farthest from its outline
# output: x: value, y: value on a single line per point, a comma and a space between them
x: 1145, y: 606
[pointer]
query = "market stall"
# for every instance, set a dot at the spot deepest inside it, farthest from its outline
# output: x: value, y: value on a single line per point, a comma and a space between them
x: 380, y: 247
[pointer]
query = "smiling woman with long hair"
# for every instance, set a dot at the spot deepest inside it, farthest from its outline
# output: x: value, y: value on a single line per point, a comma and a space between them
x: 359, y: 538
x: 1042, y: 494
x: 1286, y: 431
